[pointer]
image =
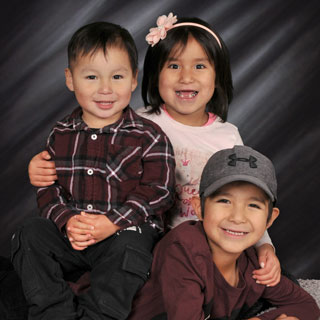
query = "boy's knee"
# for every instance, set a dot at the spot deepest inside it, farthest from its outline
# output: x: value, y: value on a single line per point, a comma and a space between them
x: 143, y: 238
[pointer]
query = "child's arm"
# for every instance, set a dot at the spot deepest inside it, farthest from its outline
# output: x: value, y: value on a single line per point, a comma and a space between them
x: 270, y: 271
x: 42, y: 172
x: 181, y: 283
x: 54, y: 200
x: 291, y: 300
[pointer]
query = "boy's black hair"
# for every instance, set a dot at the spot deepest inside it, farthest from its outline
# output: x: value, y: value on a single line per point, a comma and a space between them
x: 157, y: 55
x: 239, y: 183
x: 99, y: 36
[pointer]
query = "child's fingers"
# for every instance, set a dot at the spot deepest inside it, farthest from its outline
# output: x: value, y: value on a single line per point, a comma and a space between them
x: 268, y: 283
x: 268, y: 280
x: 88, y: 219
x: 79, y: 237
x: 45, y: 175
x: 45, y: 155
x: 81, y: 244
x: 78, y: 231
x: 77, y: 247
x: 267, y: 276
x: 79, y: 223
x: 41, y: 183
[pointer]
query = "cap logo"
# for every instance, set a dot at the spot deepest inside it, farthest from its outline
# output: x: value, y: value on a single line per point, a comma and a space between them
x: 233, y: 161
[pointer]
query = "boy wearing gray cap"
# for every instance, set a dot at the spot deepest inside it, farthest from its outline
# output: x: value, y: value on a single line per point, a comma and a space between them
x: 203, y: 269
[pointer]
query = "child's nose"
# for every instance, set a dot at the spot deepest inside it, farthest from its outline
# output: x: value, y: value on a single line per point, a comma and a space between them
x: 105, y: 87
x: 186, y: 75
x: 237, y: 215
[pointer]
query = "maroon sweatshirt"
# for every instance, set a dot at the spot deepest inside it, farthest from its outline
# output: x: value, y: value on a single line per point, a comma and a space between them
x: 186, y: 284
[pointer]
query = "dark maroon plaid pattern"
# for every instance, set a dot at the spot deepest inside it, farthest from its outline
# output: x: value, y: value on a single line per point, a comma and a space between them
x: 125, y: 170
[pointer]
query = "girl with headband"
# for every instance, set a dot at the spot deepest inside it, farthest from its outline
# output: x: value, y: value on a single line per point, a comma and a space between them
x: 186, y: 89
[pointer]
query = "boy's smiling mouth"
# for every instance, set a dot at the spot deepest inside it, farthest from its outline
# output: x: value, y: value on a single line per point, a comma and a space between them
x: 104, y: 104
x: 187, y: 94
x: 234, y: 232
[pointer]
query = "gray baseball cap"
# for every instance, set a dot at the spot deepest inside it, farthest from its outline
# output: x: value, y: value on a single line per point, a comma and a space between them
x: 241, y: 163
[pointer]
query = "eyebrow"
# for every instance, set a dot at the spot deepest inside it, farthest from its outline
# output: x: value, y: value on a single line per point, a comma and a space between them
x: 252, y: 198
x: 197, y: 59
x: 89, y: 69
x: 258, y: 199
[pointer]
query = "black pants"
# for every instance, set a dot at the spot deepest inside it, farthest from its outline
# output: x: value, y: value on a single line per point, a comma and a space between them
x: 13, y: 305
x: 119, y: 266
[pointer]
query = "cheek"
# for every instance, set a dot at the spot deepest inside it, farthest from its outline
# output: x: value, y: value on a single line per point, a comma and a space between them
x: 163, y: 81
x: 81, y: 94
x: 212, y: 220
x: 125, y: 94
x: 210, y: 83
x: 259, y: 224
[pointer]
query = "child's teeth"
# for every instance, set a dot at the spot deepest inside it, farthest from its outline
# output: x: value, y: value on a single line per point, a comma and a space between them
x: 235, y: 233
x: 187, y: 94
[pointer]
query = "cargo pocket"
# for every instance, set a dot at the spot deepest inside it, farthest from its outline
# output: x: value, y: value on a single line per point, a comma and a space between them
x: 137, y: 262
x: 116, y: 296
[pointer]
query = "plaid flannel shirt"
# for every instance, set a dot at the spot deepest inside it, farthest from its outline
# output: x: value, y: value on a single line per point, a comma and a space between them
x: 125, y: 170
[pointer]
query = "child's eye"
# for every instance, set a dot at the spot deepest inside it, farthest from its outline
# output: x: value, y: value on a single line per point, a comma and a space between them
x: 200, y: 66
x: 117, y: 77
x: 91, y: 77
x: 173, y: 66
x: 253, y: 205
x: 222, y: 200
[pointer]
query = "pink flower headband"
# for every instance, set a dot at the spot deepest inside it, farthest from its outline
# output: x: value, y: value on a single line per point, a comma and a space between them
x: 165, y: 23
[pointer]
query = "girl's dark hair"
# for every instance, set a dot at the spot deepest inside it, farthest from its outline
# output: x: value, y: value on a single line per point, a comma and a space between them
x: 157, y: 55
x: 100, y: 36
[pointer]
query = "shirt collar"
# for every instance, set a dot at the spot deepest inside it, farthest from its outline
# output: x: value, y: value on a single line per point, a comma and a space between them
x: 129, y: 119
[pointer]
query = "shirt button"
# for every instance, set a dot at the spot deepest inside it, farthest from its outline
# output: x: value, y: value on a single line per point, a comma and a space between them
x: 89, y: 206
x: 94, y: 137
x: 90, y: 172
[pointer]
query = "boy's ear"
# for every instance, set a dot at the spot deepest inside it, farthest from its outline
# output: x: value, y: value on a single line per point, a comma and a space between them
x: 69, y: 79
x: 196, y: 205
x: 134, y: 81
x: 274, y: 216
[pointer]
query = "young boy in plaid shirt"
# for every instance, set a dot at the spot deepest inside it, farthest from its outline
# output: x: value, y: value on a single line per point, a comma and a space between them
x: 115, y: 180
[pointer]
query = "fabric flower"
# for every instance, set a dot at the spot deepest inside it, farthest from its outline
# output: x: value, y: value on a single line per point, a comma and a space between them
x: 164, y: 23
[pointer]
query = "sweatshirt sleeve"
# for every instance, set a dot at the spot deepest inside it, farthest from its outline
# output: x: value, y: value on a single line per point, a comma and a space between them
x: 291, y: 300
x: 181, y: 284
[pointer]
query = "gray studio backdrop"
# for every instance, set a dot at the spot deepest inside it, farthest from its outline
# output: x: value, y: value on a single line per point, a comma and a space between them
x: 274, y: 47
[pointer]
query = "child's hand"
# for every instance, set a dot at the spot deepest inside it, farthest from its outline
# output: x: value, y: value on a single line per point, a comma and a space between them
x: 42, y: 173
x: 79, y: 234
x: 103, y: 227
x: 270, y: 271
x: 284, y: 316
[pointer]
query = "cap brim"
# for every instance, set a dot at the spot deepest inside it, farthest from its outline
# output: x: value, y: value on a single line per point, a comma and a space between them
x: 233, y: 178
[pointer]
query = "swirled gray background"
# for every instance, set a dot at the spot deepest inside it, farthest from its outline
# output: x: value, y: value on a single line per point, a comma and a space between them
x: 274, y: 47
